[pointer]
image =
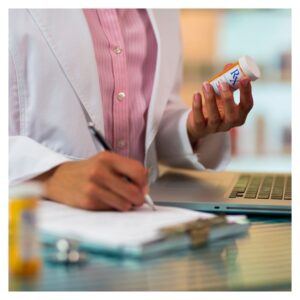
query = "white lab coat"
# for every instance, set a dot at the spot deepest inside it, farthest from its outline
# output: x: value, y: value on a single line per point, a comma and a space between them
x: 53, y: 67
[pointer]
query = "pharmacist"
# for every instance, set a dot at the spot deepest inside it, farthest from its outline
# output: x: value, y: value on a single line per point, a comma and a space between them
x: 122, y: 69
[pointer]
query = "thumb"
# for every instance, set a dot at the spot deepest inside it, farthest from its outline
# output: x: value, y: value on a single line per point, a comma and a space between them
x: 228, y: 66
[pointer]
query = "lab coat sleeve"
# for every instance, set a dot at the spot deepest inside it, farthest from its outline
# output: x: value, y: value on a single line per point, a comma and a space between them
x: 27, y: 158
x: 172, y: 141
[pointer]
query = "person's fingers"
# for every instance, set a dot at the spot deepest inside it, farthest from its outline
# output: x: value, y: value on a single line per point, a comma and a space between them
x: 92, y: 204
x: 96, y: 197
x: 228, y: 66
x: 246, y: 99
x: 118, y: 185
x: 213, y: 115
x: 199, y: 120
x: 129, y: 168
x: 230, y: 116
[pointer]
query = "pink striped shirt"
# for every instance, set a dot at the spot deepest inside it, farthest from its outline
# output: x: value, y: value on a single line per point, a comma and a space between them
x: 125, y: 51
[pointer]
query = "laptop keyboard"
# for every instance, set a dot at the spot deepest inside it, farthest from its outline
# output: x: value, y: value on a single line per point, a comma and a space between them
x: 277, y: 187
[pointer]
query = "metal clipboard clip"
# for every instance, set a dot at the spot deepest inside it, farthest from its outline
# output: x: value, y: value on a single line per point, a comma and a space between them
x: 201, y: 231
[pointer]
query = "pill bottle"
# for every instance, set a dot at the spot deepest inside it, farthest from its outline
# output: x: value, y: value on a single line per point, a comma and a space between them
x: 24, y: 256
x: 244, y: 67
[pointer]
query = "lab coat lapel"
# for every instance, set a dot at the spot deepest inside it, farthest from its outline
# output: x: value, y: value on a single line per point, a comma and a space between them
x: 165, y: 67
x: 67, y: 34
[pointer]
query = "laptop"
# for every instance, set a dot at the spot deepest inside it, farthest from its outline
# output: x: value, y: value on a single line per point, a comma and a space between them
x: 226, y: 192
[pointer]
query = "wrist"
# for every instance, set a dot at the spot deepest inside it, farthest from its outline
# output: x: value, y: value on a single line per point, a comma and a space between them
x: 48, y: 180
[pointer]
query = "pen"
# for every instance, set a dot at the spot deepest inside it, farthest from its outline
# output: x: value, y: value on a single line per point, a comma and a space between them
x: 107, y: 147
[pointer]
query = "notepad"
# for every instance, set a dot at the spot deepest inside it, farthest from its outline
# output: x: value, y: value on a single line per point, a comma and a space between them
x: 123, y: 232
x: 111, y: 227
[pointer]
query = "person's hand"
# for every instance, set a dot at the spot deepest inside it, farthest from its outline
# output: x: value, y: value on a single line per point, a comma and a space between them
x: 98, y: 183
x: 218, y: 113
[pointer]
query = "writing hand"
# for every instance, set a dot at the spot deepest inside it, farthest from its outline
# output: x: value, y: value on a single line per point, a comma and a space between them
x: 98, y: 183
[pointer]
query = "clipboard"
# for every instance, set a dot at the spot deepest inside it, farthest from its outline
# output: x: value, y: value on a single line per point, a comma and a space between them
x: 190, y: 235
x: 201, y: 228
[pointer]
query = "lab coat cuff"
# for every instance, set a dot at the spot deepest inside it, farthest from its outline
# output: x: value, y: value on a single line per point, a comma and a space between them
x: 190, y: 156
x: 33, y: 160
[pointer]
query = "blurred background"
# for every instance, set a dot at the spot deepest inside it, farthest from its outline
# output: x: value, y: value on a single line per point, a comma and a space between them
x: 213, y: 38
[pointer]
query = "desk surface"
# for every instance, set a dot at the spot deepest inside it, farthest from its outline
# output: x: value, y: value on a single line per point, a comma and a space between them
x: 261, y: 260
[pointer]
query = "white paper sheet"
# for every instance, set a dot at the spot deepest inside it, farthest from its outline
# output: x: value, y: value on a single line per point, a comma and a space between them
x: 111, y: 228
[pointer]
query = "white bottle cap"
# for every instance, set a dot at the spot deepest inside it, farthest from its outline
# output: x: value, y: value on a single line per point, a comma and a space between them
x: 249, y: 67
x: 27, y: 189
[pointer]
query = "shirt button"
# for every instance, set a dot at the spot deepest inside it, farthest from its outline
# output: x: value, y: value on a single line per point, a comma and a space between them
x: 118, y: 50
x: 121, y: 144
x: 121, y: 96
